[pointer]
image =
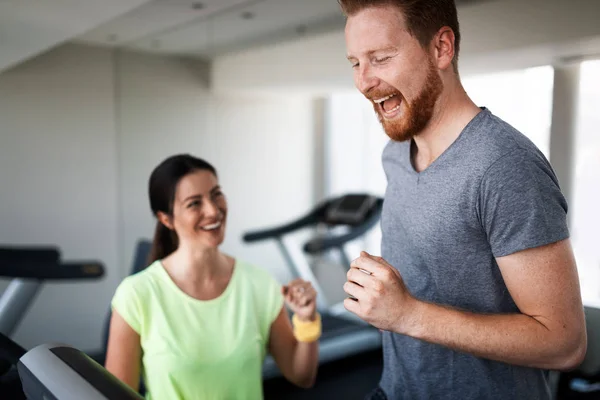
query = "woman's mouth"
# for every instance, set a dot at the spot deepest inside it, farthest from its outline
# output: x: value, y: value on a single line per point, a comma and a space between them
x: 212, y: 227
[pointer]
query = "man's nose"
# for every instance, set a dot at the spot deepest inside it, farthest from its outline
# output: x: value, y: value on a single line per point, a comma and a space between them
x: 366, y: 80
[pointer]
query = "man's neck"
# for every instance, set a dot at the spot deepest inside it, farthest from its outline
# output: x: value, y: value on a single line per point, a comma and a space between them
x: 452, y: 114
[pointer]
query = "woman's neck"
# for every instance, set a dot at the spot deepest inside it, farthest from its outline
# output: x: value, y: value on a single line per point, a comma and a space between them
x: 197, y: 265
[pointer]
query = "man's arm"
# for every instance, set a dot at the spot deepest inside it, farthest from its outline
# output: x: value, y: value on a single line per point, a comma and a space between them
x: 549, y: 332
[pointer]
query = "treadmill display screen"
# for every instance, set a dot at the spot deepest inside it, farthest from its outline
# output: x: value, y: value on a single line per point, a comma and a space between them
x: 351, y: 209
x: 351, y: 204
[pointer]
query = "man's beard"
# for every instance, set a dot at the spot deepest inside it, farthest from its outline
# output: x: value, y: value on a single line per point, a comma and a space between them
x: 416, y: 115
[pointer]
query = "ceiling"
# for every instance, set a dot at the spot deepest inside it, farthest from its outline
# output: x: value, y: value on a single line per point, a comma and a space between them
x: 208, y: 28
x: 29, y: 27
x: 217, y: 26
x: 198, y: 28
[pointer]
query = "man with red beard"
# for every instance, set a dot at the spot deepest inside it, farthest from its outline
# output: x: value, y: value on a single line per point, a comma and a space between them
x: 477, y: 291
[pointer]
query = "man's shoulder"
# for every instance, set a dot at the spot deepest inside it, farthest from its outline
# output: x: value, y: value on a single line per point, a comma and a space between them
x: 487, y: 137
x: 487, y: 141
x: 492, y: 139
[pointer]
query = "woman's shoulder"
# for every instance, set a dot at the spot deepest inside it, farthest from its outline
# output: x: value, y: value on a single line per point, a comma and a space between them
x: 141, y: 281
x: 263, y: 287
x: 255, y: 274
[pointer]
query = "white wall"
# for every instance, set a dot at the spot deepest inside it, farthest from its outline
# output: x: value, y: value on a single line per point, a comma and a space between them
x: 497, y: 35
x: 82, y: 129
x: 261, y: 147
x: 162, y: 110
x: 57, y: 170
x: 264, y: 152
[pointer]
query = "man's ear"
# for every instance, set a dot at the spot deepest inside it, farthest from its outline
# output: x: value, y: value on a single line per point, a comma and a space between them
x: 444, y: 48
x: 165, y: 220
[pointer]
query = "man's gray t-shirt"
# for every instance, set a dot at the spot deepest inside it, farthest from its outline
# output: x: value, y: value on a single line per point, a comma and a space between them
x: 490, y: 194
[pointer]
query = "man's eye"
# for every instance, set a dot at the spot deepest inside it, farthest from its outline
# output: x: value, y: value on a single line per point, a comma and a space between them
x: 383, y: 59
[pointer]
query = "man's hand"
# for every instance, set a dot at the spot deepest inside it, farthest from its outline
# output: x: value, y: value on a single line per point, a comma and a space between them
x: 378, y: 294
x: 547, y: 332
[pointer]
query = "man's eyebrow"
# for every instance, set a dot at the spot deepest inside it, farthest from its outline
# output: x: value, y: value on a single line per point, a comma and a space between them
x: 371, y: 52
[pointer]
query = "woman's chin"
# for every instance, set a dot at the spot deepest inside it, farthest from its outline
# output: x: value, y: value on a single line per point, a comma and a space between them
x: 214, y: 241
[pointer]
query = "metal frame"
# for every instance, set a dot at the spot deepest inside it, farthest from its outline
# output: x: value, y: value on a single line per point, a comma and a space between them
x: 15, y: 301
x: 301, y: 268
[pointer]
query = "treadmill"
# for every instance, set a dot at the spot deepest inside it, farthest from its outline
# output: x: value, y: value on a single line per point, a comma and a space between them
x: 48, y: 371
x: 354, y: 214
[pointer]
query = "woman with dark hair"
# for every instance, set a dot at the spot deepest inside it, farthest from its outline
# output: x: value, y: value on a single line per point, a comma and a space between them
x: 197, y: 323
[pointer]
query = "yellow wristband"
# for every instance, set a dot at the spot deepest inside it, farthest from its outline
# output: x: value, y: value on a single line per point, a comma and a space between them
x: 307, y: 331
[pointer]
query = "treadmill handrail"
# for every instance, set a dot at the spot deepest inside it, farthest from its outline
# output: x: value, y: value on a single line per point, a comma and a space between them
x: 278, y: 231
x: 320, y: 244
x: 52, y: 271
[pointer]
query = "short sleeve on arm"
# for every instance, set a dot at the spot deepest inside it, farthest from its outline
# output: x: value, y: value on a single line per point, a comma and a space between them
x: 273, y: 301
x: 127, y: 303
x: 521, y: 205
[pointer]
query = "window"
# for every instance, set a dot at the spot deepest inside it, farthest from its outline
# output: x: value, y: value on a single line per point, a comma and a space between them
x: 585, y: 217
x: 523, y: 98
x: 355, y: 141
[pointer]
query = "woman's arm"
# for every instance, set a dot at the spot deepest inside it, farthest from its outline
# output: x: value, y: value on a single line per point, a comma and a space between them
x: 298, y: 361
x: 123, y: 355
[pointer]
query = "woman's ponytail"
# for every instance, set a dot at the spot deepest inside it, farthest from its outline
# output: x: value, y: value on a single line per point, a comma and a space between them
x: 163, y: 243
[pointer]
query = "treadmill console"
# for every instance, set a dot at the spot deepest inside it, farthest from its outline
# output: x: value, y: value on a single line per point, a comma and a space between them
x: 351, y: 209
x: 61, y: 372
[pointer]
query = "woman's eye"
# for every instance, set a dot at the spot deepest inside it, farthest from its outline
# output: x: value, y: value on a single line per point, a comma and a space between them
x: 194, y: 204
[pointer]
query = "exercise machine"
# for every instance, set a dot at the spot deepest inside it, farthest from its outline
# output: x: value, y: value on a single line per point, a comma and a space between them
x: 61, y: 372
x: 48, y: 371
x: 29, y: 269
x: 337, y: 221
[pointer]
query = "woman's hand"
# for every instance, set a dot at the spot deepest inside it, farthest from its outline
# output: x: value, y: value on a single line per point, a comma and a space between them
x: 301, y: 298
x: 297, y: 360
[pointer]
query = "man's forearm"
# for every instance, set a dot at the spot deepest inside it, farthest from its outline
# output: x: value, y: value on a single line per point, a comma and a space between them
x: 512, y: 338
